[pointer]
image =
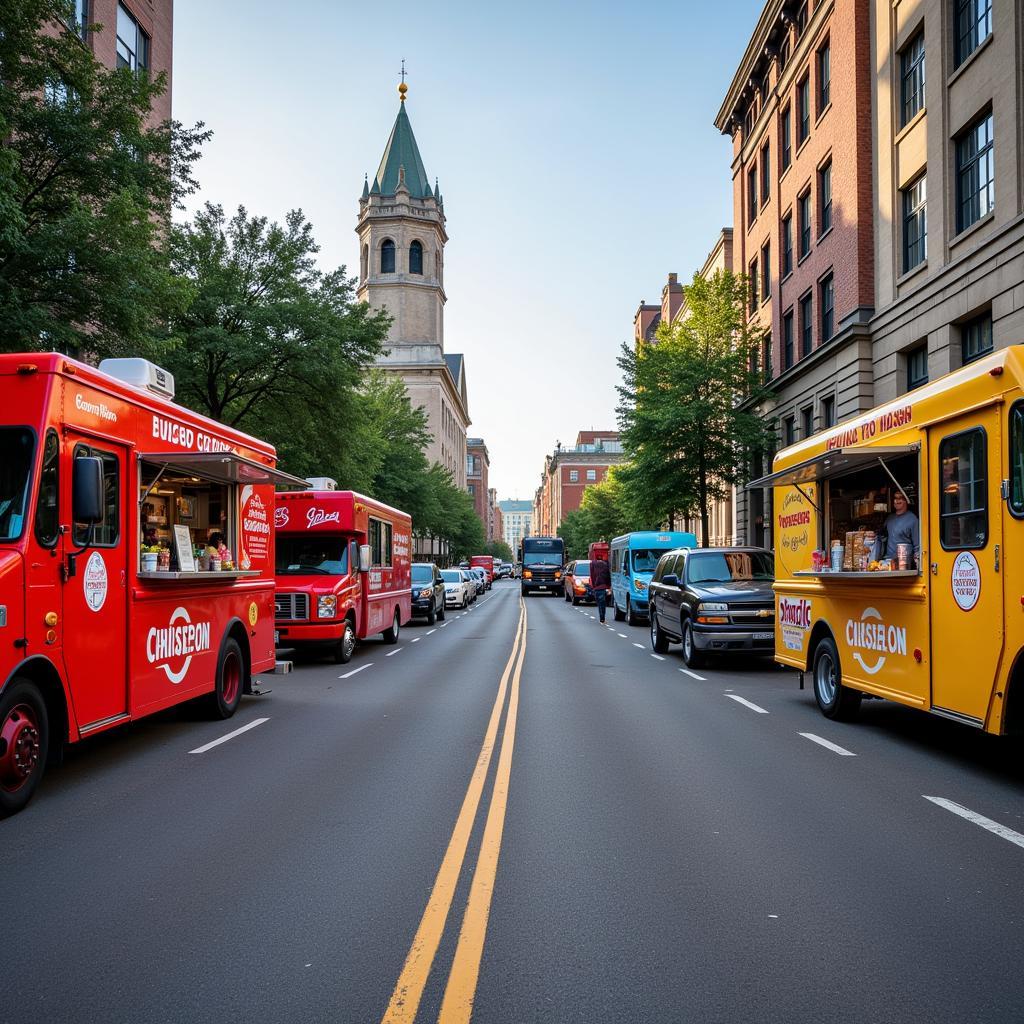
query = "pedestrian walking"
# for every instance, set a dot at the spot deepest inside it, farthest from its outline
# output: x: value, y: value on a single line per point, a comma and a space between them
x: 600, y: 584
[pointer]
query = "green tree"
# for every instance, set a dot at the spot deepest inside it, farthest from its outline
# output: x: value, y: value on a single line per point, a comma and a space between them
x: 499, y: 549
x: 267, y: 342
x: 87, y: 183
x: 575, y: 530
x: 686, y: 404
x: 607, y: 513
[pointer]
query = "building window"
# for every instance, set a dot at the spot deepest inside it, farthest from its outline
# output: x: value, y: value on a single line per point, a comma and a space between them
x: 912, y: 78
x: 915, y: 224
x: 766, y: 270
x: 807, y: 420
x: 787, y: 340
x: 825, y: 197
x: 787, y: 244
x: 803, y: 110
x: 804, y: 212
x: 416, y: 258
x: 828, y: 308
x: 387, y: 257
x: 789, y: 430
x: 574, y: 476
x: 591, y: 474
x: 975, y: 174
x: 81, y: 17
x: 132, y: 42
x: 752, y: 195
x: 917, y: 367
x: 801, y: 19
x: 806, y: 325
x: 963, y: 509
x: 787, y: 137
x: 766, y: 178
x: 472, y: 489
x: 824, y: 77
x: 364, y: 262
x: 765, y: 88
x: 783, y: 57
x: 753, y: 286
x: 972, y: 26
x: 976, y: 337
x: 828, y: 412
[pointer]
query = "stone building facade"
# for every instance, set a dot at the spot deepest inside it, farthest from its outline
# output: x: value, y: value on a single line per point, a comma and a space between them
x: 516, y: 520
x: 402, y: 236
x: 568, y: 472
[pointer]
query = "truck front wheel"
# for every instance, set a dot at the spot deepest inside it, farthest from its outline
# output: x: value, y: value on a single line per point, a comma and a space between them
x: 835, y: 700
x: 24, y: 741
x: 346, y: 645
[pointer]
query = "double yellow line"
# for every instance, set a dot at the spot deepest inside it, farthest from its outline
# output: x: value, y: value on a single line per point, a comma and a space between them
x: 457, y: 1005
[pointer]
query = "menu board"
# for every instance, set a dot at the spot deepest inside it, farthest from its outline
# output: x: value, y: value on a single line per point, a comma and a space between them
x: 183, y: 547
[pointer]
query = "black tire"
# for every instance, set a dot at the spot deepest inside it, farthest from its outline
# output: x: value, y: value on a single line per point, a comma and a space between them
x: 465, y: 601
x: 346, y: 646
x: 835, y: 700
x: 231, y: 681
x: 659, y: 642
x: 391, y: 635
x: 525, y: 592
x: 567, y: 595
x: 25, y: 737
x: 619, y: 615
x: 692, y: 657
x: 442, y: 612
x: 631, y: 617
x: 432, y: 614
x: 575, y: 599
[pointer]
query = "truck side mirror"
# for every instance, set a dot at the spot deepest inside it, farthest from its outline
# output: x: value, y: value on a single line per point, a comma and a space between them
x: 87, y: 490
x: 365, y: 558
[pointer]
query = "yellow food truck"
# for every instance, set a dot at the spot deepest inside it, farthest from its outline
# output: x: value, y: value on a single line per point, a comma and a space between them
x: 899, y: 551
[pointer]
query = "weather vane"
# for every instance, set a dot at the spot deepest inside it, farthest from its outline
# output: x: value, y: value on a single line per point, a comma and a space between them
x: 403, y: 88
x: 403, y: 70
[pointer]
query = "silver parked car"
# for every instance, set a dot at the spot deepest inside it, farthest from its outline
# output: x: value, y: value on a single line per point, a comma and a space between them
x: 458, y: 591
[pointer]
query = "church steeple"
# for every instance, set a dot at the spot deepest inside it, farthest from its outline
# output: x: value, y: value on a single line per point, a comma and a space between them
x: 402, y: 151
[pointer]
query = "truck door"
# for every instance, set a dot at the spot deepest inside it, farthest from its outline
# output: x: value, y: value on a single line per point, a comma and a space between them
x: 965, y: 554
x: 95, y: 597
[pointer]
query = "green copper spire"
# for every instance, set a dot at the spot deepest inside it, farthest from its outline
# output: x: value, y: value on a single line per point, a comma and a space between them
x: 401, y: 151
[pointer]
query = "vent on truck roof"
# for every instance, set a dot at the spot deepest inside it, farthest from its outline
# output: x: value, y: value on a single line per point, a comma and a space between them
x: 322, y: 483
x: 140, y: 374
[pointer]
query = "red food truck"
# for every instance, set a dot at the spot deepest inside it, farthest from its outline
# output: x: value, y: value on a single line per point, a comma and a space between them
x: 598, y: 549
x: 343, y: 570
x: 112, y: 603
x: 487, y: 563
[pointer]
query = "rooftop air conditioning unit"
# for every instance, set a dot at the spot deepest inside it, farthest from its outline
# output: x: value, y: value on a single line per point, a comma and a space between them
x: 322, y: 483
x: 141, y: 374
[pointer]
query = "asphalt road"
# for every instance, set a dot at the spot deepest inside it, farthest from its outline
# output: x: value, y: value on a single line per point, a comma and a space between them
x: 550, y: 824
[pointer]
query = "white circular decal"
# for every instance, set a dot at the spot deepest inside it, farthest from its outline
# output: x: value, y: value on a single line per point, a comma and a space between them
x: 94, y: 581
x: 966, y: 580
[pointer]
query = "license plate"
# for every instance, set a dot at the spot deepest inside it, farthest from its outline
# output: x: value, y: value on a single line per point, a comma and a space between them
x: 764, y: 636
x: 277, y: 636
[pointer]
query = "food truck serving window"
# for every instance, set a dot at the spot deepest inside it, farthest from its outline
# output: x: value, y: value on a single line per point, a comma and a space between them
x: 107, y: 532
x: 963, y: 515
x: 17, y: 445
x: 380, y: 542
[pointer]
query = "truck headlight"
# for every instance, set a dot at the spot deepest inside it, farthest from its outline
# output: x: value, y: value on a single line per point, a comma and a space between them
x: 527, y: 575
x: 326, y: 606
x: 640, y: 585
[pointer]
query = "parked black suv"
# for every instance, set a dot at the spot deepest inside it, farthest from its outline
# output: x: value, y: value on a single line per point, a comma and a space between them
x: 713, y: 601
x: 427, y: 591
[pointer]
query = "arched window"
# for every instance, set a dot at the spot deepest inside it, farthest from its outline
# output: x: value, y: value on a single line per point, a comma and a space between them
x: 387, y: 257
x: 437, y: 265
x: 364, y: 263
x: 416, y: 258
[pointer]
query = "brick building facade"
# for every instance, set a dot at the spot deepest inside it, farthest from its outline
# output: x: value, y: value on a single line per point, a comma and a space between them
x: 478, y: 465
x: 567, y: 474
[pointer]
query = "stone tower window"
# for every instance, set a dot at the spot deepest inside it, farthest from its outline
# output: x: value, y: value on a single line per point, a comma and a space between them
x: 364, y: 263
x: 416, y: 258
x: 387, y: 257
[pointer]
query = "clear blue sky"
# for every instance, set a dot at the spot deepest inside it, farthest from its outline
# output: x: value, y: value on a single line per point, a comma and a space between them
x: 574, y: 145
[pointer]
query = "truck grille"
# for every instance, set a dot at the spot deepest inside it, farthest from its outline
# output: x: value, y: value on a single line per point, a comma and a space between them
x: 753, y: 614
x: 291, y: 607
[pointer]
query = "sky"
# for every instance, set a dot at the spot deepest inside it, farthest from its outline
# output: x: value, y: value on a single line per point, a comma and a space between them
x: 574, y: 145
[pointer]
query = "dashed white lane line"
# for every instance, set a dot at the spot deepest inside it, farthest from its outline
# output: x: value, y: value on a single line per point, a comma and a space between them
x: 230, y: 736
x: 443, y: 624
x: 391, y: 654
x: 417, y: 639
x: 429, y: 631
x: 835, y: 748
x: 692, y: 675
x: 658, y: 656
x: 979, y: 819
x: 347, y: 675
x: 641, y: 646
x: 623, y: 635
x: 746, y: 703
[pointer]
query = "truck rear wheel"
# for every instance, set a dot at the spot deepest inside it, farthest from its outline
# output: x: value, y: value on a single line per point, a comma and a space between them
x: 835, y: 700
x: 227, y: 692
x: 391, y: 635
x: 24, y: 742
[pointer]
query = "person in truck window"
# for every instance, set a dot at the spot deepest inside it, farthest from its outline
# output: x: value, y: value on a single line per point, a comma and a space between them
x: 901, y: 527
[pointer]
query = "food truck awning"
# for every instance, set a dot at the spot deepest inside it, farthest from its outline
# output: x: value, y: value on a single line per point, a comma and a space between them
x: 833, y: 463
x: 225, y: 468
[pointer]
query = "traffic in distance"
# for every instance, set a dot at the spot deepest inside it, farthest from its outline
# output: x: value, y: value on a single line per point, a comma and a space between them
x: 127, y: 518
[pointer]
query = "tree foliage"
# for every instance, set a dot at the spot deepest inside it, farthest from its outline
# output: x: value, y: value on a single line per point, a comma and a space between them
x: 604, y: 513
x: 686, y: 404
x: 499, y: 549
x: 87, y: 183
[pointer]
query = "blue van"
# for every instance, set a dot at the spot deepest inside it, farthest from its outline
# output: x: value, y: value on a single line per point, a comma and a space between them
x: 632, y: 559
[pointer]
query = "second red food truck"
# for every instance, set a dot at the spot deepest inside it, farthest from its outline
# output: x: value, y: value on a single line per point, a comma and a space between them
x: 343, y: 570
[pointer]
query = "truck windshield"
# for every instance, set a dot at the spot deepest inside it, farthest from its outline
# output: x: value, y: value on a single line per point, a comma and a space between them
x: 730, y: 567
x: 646, y: 559
x: 542, y: 558
x: 299, y: 555
x: 18, y: 445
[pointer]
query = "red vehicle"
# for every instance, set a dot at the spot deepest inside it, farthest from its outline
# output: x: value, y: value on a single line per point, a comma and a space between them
x: 485, y: 562
x: 599, y: 549
x: 108, y: 493
x: 343, y: 570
